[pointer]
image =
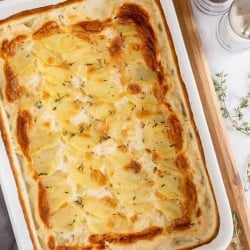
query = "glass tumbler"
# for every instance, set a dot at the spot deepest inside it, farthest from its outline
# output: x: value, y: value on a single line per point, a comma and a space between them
x: 213, y: 7
x: 233, y: 29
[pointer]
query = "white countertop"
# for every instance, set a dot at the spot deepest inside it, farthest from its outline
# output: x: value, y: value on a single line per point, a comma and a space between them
x: 219, y: 60
x: 237, y: 66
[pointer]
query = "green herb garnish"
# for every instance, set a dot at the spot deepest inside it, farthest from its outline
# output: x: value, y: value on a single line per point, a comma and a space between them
x: 236, y: 244
x: 247, y: 185
x: 236, y: 116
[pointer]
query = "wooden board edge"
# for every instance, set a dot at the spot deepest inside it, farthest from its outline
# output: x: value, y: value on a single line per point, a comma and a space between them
x: 214, y: 119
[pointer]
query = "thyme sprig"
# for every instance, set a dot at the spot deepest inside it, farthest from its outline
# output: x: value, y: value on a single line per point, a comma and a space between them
x: 236, y: 117
x: 236, y: 244
x: 247, y: 184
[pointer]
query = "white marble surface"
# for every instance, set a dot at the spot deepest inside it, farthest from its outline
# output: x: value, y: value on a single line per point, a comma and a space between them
x: 237, y: 66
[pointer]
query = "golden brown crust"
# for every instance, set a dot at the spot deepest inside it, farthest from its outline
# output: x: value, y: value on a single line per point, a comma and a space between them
x: 98, y: 177
x: 175, y: 132
x: 52, y: 246
x: 48, y: 29
x: 95, y: 26
x: 133, y: 13
x: 12, y: 89
x: 116, y: 46
x: 133, y: 166
x: 43, y: 204
x: 134, y: 88
x: 9, y: 48
x: 86, y: 28
x: 23, y: 123
x: 128, y: 238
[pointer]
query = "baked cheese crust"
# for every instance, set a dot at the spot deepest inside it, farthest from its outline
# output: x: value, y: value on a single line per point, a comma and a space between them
x: 96, y: 114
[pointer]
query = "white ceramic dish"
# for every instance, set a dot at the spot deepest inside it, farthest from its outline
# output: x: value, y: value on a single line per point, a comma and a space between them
x: 224, y: 236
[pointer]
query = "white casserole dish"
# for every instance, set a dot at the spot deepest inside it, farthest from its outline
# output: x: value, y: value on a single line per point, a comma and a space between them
x: 224, y: 236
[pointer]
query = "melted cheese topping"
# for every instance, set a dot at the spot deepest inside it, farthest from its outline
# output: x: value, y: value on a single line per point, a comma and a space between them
x: 100, y: 134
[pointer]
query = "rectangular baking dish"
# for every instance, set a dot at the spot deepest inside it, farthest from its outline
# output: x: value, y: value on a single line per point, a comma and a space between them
x: 7, y: 181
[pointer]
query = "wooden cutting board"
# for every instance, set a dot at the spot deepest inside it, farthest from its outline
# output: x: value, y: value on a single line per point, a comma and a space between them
x: 215, y: 121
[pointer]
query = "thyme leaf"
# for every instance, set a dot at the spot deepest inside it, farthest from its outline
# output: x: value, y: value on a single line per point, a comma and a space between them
x: 39, y: 104
x: 79, y: 201
x: 61, y: 97
x: 104, y: 138
x: 236, y: 116
x: 236, y: 244
x: 247, y: 185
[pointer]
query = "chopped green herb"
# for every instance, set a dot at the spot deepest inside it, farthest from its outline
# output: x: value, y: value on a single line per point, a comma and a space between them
x: 99, y: 62
x: 142, y: 124
x: 236, y: 244
x: 39, y: 104
x: 183, y: 110
x: 81, y: 167
x: 155, y: 125
x: 247, y: 185
x: 79, y: 201
x: 104, y: 138
x: 72, y: 222
x: 42, y: 174
x: 60, y: 98
x: 111, y: 112
x: 159, y: 27
x: 77, y: 101
x: 81, y: 129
